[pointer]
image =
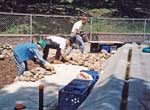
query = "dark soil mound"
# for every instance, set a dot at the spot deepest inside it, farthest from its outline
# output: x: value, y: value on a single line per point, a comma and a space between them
x: 8, y: 71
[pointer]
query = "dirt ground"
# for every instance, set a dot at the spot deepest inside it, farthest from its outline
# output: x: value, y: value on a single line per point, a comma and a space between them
x: 8, y: 71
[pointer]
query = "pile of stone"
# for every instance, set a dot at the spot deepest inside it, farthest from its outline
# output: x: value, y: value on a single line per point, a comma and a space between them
x: 35, y: 74
x: 5, y: 51
x: 91, y: 60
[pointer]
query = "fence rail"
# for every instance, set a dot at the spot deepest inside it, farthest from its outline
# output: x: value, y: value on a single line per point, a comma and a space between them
x: 29, y: 24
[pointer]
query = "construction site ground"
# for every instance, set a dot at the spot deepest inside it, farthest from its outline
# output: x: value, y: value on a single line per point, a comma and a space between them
x: 106, y: 94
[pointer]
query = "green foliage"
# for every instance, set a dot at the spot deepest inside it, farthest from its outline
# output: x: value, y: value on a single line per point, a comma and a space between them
x: 18, y: 29
x: 98, y: 12
x: 116, y: 26
x: 70, y: 1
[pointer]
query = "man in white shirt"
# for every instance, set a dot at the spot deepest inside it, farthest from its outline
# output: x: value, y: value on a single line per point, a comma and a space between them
x: 58, y: 43
x: 75, y: 33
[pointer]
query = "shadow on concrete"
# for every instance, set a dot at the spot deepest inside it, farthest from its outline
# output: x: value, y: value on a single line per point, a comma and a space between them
x: 139, y: 94
x: 29, y: 96
x: 105, y: 95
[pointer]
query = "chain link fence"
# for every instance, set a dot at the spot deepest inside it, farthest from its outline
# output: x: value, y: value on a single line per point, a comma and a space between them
x: 111, y: 25
x: 14, y: 24
x: 52, y: 24
x: 29, y: 24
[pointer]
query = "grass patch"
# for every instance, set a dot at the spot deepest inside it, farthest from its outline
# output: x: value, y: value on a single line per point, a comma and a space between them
x: 17, y: 29
x: 117, y: 26
x: 99, y: 12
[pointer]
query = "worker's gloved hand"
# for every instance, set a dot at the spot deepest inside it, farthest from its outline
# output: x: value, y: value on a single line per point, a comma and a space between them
x: 48, y: 66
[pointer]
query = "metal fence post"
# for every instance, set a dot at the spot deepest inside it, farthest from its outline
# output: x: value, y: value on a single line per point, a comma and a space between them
x: 144, y: 29
x: 31, y: 28
x: 41, y: 97
x: 91, y: 27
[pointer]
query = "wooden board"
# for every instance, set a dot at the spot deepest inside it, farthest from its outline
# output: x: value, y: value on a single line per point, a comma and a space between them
x: 107, y: 42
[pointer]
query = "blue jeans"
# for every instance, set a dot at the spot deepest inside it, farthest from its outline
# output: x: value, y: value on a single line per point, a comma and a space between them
x: 21, y: 66
x: 77, y: 39
x: 80, y: 42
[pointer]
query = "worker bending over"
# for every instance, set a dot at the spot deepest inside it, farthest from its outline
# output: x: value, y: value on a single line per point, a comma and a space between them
x: 28, y: 51
x: 55, y: 42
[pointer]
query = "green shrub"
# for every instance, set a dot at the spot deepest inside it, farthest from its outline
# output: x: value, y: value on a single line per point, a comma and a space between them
x: 18, y: 29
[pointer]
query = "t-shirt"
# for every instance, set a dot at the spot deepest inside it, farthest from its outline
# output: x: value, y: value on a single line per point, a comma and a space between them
x: 77, y: 26
x: 61, y: 41
x: 27, y: 51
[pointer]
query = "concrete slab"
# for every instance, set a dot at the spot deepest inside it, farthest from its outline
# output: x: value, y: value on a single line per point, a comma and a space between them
x: 106, y: 94
x: 27, y: 92
x: 139, y: 84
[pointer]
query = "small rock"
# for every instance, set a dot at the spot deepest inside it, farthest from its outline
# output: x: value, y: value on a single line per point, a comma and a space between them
x: 67, y: 63
x: 37, y: 70
x: 91, y: 67
x: 50, y: 72
x: 73, y: 62
x: 80, y: 62
x: 40, y: 69
x: 21, y: 78
x: 103, y: 59
x: 36, y: 77
x: 86, y: 64
x: 32, y: 80
x: 57, y: 62
x: 41, y: 76
x: 27, y: 73
x: 85, y: 76
x: 4, y: 52
x: 2, y: 57
x: 27, y: 79
x: 96, y: 65
x: 104, y: 51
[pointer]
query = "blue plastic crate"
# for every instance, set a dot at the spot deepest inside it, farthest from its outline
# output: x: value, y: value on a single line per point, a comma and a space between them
x: 105, y: 47
x: 94, y: 74
x: 72, y: 95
